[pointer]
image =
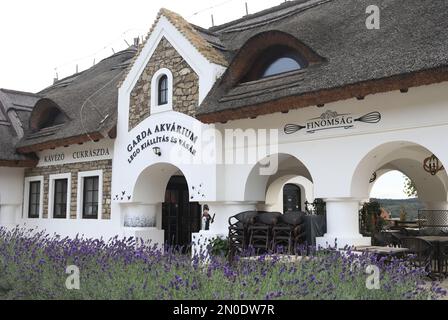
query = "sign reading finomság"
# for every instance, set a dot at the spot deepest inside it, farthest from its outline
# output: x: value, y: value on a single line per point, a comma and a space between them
x: 332, y: 120
x: 162, y: 133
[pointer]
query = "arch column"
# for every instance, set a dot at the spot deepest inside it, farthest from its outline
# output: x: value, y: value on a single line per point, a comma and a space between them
x: 342, y: 224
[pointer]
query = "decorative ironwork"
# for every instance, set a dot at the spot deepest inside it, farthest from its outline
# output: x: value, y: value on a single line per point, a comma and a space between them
x: 432, y: 165
x: 373, y: 178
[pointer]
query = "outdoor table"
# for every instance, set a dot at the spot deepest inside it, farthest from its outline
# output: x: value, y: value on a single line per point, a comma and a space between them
x: 436, y: 242
x: 388, y: 251
x: 397, y: 223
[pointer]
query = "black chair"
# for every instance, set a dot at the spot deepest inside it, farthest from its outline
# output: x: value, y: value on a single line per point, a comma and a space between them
x: 260, y: 231
x: 443, y: 258
x: 289, y: 231
x: 238, y: 231
x: 395, y: 239
x: 423, y: 251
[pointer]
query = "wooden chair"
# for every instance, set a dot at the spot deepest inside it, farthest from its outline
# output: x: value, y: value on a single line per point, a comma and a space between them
x: 423, y: 251
x: 261, y: 231
x: 238, y: 236
x: 289, y: 231
x: 443, y: 256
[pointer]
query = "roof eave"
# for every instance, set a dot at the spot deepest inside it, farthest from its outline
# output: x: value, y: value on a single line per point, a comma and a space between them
x: 360, y: 89
x: 19, y: 163
x: 63, y: 142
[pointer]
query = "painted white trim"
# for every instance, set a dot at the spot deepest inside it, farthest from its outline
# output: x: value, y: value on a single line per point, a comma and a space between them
x: 207, y: 72
x: 81, y: 176
x: 26, y: 197
x: 155, y: 107
x: 51, y: 190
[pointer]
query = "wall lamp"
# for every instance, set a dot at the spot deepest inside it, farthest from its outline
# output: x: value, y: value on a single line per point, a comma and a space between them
x: 157, y: 151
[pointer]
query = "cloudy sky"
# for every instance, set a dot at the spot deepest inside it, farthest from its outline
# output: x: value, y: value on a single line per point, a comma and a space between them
x: 45, y: 37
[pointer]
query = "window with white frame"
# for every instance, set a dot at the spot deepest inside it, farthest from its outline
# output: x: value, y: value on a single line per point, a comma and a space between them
x: 59, y: 196
x: 33, y: 197
x: 162, y: 91
x: 90, y: 194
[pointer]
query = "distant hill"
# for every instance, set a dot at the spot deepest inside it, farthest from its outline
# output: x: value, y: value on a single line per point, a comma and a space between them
x: 411, y: 207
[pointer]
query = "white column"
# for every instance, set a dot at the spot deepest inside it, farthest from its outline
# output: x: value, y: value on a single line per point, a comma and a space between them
x: 140, y: 221
x: 342, y: 224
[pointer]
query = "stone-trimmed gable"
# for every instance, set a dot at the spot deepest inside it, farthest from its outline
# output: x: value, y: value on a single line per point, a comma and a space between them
x: 185, y: 84
x: 189, y: 32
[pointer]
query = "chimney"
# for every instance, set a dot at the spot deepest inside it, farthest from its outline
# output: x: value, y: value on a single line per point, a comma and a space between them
x: 136, y: 42
x: 56, y: 78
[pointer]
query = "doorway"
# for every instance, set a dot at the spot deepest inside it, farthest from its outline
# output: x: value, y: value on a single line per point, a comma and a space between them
x: 292, y: 198
x: 180, y: 217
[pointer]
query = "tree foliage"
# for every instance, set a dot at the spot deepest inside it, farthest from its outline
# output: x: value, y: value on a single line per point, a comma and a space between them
x: 409, y: 188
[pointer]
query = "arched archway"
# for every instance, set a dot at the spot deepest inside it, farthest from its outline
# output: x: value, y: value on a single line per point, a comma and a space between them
x: 267, y: 187
x: 259, y: 179
x: 162, y: 200
x: 406, y: 157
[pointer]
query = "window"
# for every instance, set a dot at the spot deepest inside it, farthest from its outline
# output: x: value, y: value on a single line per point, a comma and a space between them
x: 34, y: 200
x: 60, y: 199
x: 281, y: 65
x: 59, y: 196
x: 274, y: 61
x: 163, y: 90
x: 90, y: 198
x: 90, y: 195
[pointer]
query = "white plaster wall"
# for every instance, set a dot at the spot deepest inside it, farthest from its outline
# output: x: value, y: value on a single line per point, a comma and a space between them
x: 340, y: 161
x: 274, y: 196
x: 11, y: 191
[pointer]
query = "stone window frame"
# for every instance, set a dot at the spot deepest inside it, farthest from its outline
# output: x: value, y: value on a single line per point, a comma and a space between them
x: 155, y: 108
x: 51, y: 191
x: 26, y: 197
x: 80, y: 193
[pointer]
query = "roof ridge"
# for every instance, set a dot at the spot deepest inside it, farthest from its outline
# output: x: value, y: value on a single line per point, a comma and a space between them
x: 25, y: 93
x: 284, y: 5
x: 186, y: 29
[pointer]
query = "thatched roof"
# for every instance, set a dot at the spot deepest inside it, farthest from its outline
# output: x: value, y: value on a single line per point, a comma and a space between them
x: 409, y: 49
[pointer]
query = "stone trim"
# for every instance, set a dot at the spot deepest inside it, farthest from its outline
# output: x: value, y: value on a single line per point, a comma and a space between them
x: 74, y: 169
x: 185, y: 90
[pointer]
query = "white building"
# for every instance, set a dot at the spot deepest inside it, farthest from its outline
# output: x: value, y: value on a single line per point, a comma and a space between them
x: 305, y: 94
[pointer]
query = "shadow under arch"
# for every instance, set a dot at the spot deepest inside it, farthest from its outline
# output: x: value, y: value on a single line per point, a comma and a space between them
x: 256, y: 182
x: 152, y: 182
x: 406, y: 157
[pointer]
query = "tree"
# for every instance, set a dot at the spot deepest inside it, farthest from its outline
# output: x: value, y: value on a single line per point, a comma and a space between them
x: 409, y: 188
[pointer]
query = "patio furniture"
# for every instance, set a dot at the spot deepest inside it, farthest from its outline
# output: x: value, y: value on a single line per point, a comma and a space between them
x: 382, y: 250
x: 439, y: 244
x: 386, y: 238
x: 433, y: 222
x: 443, y: 258
x: 289, y: 231
x: 238, y: 231
x: 396, y: 239
x: 260, y: 232
x: 422, y: 249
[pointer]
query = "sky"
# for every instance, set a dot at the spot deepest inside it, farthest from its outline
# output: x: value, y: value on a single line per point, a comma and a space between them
x: 389, y: 186
x: 45, y: 37
x: 40, y: 38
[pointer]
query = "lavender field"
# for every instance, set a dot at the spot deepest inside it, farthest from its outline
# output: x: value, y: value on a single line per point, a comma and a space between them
x: 33, y: 266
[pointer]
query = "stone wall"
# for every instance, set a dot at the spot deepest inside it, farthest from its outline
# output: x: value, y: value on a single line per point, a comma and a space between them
x: 105, y: 165
x: 185, y: 84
